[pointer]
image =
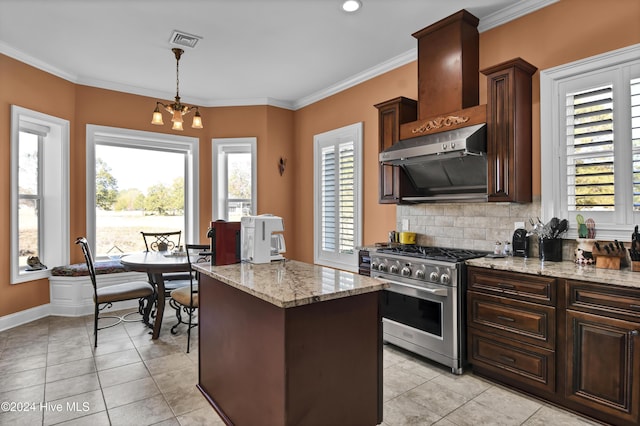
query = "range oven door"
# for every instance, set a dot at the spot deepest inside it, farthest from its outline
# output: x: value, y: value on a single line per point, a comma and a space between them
x: 423, y: 320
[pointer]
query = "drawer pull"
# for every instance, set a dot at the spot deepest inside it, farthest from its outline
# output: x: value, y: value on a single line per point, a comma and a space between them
x: 634, y: 306
x: 506, y: 318
x: 507, y: 359
x: 504, y: 285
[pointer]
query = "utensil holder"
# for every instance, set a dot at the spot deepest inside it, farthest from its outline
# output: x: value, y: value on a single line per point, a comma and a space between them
x: 550, y: 249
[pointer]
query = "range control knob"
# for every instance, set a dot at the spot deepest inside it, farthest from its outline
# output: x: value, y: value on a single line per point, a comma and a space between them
x: 453, y: 145
x: 444, y: 279
x: 393, y: 269
x: 420, y: 274
x: 444, y: 146
x: 374, y: 266
x: 406, y: 271
x: 434, y: 276
x: 382, y: 267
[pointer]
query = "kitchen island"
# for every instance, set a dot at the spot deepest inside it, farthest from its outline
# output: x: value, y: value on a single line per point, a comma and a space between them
x: 289, y: 343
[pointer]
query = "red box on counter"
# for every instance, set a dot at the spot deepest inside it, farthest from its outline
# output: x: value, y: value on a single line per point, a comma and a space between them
x: 225, y: 242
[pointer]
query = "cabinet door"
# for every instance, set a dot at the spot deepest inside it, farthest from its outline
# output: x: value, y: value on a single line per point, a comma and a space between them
x: 509, y: 131
x: 603, y: 366
x: 391, y: 114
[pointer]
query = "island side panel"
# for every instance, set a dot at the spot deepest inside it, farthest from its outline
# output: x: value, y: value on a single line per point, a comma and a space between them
x: 241, y: 355
x: 334, y: 362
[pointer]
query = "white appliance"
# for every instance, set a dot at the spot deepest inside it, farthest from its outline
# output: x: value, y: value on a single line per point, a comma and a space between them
x: 262, y: 239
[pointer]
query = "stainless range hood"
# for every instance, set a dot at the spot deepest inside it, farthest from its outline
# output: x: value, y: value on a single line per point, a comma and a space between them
x: 445, y: 166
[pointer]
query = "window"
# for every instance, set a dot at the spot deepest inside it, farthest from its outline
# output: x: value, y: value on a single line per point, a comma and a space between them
x: 234, y: 178
x: 39, y: 192
x: 337, y: 197
x: 139, y: 181
x: 590, y: 141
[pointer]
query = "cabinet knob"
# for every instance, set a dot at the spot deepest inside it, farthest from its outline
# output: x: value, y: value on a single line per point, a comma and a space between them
x: 634, y: 333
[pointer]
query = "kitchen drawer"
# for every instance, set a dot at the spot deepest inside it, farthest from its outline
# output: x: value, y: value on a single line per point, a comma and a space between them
x: 519, y: 286
x: 610, y: 300
x: 528, y: 322
x: 530, y: 368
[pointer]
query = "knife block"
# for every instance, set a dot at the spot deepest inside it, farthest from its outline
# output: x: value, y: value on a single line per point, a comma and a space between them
x: 612, y: 260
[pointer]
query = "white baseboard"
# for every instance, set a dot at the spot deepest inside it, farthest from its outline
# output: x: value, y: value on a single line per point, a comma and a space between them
x: 23, y: 317
x: 72, y: 297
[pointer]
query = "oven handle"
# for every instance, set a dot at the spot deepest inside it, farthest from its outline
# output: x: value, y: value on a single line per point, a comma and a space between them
x: 435, y: 291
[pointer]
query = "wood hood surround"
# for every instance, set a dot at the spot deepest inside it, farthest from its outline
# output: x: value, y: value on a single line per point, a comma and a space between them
x: 448, y: 97
x: 448, y: 88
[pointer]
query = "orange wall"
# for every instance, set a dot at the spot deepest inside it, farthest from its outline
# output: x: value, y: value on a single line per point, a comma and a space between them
x: 348, y: 107
x: 560, y: 33
x: 30, y: 88
x: 23, y: 85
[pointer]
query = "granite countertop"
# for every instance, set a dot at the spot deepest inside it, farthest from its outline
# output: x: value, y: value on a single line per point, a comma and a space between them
x: 569, y: 270
x: 291, y: 283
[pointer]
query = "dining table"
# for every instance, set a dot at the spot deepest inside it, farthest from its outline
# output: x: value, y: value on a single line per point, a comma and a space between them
x: 155, y: 264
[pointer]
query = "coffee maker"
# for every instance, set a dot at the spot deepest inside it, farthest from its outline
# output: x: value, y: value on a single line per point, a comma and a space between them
x: 262, y: 239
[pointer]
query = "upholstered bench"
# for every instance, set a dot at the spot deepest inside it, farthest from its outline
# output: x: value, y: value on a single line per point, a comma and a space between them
x: 71, y: 292
x: 80, y: 269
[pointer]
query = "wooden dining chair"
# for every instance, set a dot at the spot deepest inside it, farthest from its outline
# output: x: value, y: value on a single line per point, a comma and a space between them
x: 185, y: 300
x: 104, y: 297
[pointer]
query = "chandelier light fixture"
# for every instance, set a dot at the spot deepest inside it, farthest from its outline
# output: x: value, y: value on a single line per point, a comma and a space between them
x: 177, y: 109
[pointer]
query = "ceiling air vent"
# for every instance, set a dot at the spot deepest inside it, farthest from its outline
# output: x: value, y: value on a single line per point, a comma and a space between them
x: 180, y: 38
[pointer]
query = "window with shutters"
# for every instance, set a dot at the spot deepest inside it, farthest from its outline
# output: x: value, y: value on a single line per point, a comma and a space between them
x: 337, y: 197
x: 590, y: 142
x: 39, y: 193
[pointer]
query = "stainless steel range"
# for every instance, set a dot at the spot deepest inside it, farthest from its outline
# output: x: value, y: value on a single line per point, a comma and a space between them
x: 423, y: 309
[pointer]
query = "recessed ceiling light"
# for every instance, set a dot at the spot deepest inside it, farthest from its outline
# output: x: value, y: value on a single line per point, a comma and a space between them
x: 351, y: 5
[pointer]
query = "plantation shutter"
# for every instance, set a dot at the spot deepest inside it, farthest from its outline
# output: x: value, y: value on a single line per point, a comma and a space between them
x: 635, y: 137
x: 338, y: 198
x: 590, y: 150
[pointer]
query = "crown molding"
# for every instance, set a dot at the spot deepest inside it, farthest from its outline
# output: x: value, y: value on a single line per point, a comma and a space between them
x: 9, y: 51
x: 395, y: 62
x: 496, y: 19
x: 510, y: 13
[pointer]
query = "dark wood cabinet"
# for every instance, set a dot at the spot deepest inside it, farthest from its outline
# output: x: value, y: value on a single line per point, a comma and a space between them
x: 509, y: 131
x: 602, y: 361
x: 573, y: 343
x: 603, y: 366
x: 394, y: 183
x: 511, y: 330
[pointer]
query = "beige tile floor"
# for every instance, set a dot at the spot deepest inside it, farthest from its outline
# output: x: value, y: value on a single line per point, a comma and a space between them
x: 50, y: 372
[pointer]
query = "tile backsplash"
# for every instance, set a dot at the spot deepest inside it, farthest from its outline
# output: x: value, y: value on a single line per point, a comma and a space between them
x: 465, y: 225
x: 472, y: 225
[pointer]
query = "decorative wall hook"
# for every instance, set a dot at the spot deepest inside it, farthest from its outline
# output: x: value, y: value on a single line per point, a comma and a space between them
x: 281, y: 165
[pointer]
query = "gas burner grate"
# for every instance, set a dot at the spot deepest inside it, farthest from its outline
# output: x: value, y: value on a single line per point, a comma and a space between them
x: 434, y: 253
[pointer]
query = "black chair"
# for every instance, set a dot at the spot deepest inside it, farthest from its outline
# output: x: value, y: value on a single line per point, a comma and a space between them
x: 161, y: 241
x: 105, y: 296
x: 185, y: 299
x: 166, y: 241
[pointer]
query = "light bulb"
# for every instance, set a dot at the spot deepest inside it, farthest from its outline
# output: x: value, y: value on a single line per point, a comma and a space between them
x: 197, y: 121
x: 351, y: 5
x: 177, y: 125
x: 157, y: 117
